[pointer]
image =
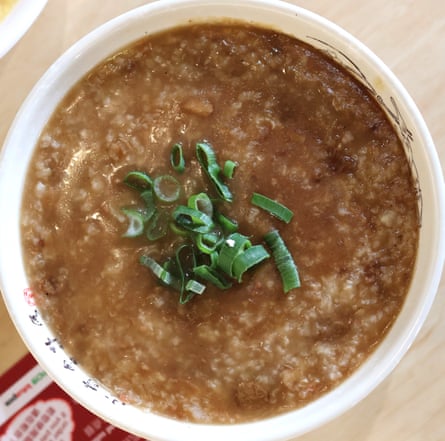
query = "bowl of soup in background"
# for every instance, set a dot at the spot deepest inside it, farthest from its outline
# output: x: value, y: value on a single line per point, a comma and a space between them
x: 19, y: 15
x: 318, y: 33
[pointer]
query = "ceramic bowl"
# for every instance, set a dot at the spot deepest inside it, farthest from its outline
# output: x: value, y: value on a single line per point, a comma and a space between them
x: 314, y: 30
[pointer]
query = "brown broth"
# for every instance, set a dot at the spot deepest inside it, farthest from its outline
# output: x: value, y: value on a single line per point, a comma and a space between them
x: 304, y: 132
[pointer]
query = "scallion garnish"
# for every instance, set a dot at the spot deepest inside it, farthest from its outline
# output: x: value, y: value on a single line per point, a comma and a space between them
x: 140, y: 181
x: 207, y: 159
x: 213, y: 276
x: 177, y: 160
x: 211, y: 249
x: 228, y: 225
x: 283, y: 260
x: 213, y: 256
x: 160, y: 272
x: 195, y: 287
x: 166, y: 189
x: 136, y: 222
x: 184, y: 259
x: 158, y: 225
x: 192, y: 220
x: 201, y: 202
x: 234, y: 245
x: 207, y: 243
x: 179, y: 231
x: 149, y: 204
x: 273, y: 207
x: 229, y: 168
x: 247, y: 259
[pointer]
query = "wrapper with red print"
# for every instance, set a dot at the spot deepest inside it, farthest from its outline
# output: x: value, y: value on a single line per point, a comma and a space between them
x: 34, y: 408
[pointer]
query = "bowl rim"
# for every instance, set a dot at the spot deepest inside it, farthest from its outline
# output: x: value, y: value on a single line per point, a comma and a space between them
x: 349, y: 392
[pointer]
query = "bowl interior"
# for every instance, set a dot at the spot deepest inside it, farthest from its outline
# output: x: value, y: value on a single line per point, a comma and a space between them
x: 321, y: 34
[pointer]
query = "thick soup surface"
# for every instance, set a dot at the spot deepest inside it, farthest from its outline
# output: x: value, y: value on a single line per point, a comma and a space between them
x: 304, y: 133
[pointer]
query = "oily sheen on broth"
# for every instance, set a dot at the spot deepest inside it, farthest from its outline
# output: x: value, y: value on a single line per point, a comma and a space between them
x: 302, y: 131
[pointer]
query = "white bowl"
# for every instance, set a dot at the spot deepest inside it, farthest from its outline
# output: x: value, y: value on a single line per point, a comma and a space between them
x: 17, y: 22
x: 310, y: 28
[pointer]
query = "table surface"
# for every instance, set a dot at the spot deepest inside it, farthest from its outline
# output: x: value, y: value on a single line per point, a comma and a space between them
x: 409, y: 36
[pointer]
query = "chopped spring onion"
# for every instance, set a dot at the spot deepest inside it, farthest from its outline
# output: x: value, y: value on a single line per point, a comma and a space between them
x: 207, y: 243
x: 249, y: 258
x: 158, y: 225
x: 201, y: 202
x: 229, y: 169
x: 210, y: 250
x: 273, y: 207
x: 212, y: 275
x: 150, y: 205
x: 227, y: 224
x: 284, y: 261
x: 213, y: 256
x: 185, y: 297
x: 206, y: 155
x: 192, y: 288
x: 179, y: 231
x: 136, y: 222
x: 173, y: 273
x: 161, y: 273
x: 195, y: 287
x: 192, y: 220
x: 140, y: 181
x: 177, y: 160
x: 181, y: 264
x: 186, y: 255
x: 207, y: 159
x: 234, y: 245
x: 166, y: 189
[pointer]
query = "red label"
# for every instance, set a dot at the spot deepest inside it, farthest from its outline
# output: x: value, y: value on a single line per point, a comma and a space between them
x: 33, y: 408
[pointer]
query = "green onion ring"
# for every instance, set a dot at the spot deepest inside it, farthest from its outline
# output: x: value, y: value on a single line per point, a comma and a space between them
x: 229, y: 168
x: 195, y: 287
x: 283, y: 260
x: 150, y: 205
x: 234, y: 245
x: 192, y: 220
x: 207, y: 159
x: 228, y: 225
x: 177, y: 160
x: 138, y: 180
x: 161, y: 273
x: 157, y: 227
x: 166, y: 189
x: 273, y: 207
x: 136, y: 222
x: 211, y: 275
x: 248, y: 259
x: 201, y: 202
x: 207, y: 243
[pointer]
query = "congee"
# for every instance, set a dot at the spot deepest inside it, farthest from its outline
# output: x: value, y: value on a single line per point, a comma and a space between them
x: 219, y: 223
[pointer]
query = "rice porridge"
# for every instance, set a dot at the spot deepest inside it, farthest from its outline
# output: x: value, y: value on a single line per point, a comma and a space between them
x: 300, y: 130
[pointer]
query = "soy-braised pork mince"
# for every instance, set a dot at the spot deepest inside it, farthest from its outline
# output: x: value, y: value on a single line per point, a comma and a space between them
x: 302, y: 131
